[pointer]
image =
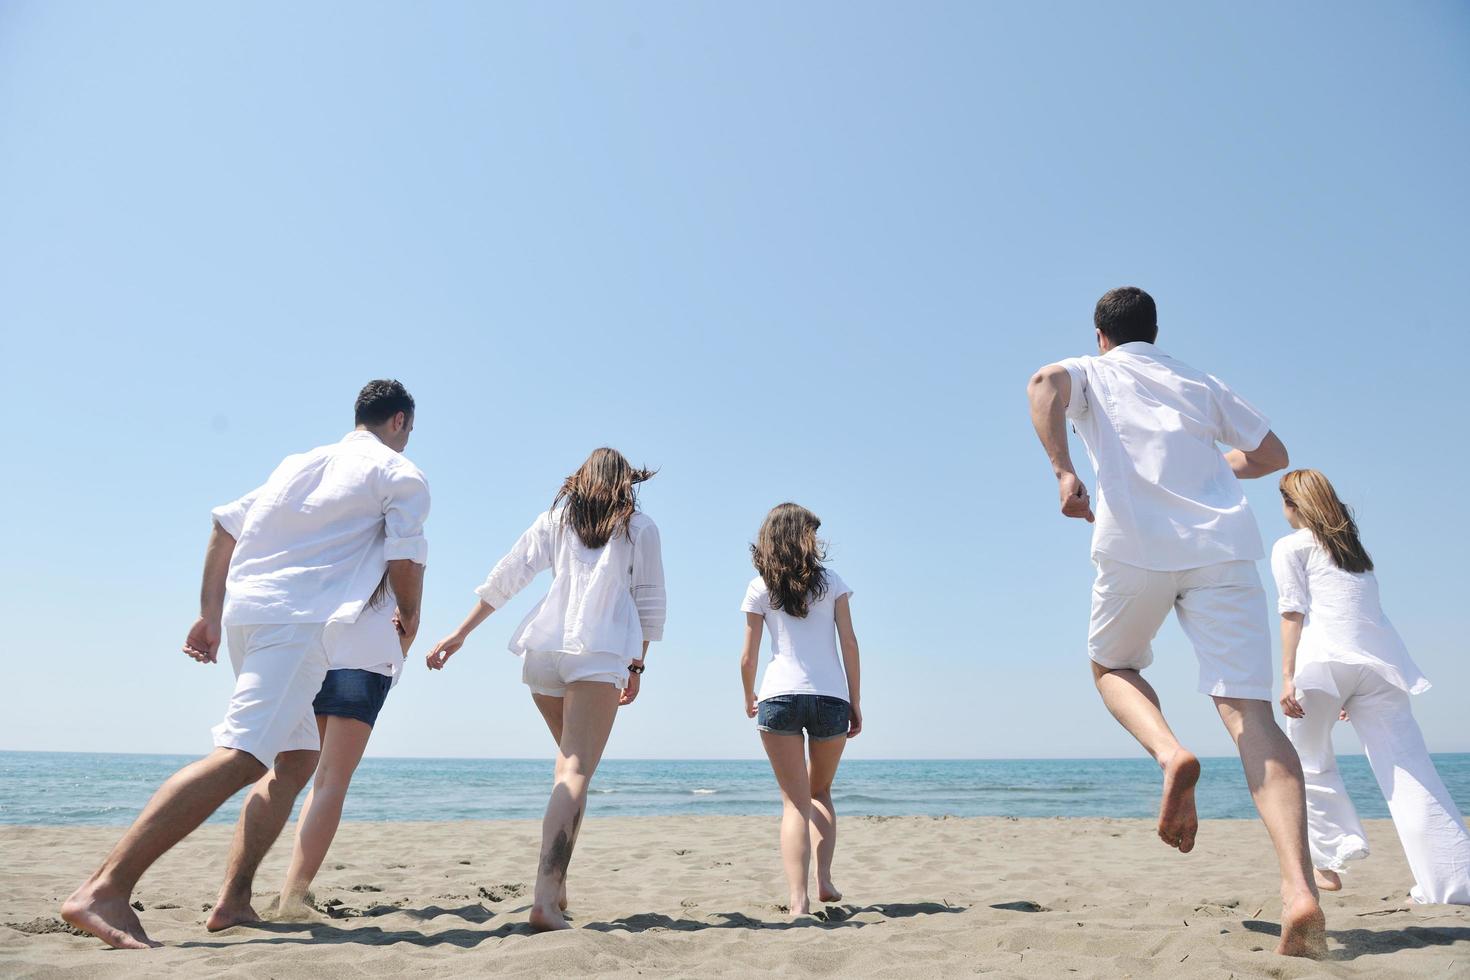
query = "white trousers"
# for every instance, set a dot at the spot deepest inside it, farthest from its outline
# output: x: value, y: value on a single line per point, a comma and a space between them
x: 1429, y: 824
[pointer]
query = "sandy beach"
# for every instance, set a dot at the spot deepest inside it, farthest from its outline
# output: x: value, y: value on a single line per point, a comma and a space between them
x: 701, y: 896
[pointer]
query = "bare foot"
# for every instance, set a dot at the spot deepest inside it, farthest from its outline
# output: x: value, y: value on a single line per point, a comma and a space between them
x: 1303, y: 929
x: 561, y: 897
x: 108, y: 917
x: 803, y: 906
x: 547, y: 920
x: 228, y: 914
x: 294, y: 908
x: 1328, y: 881
x: 828, y: 893
x: 1178, y: 822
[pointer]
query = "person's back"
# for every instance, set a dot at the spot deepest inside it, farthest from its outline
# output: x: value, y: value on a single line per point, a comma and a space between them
x: 1166, y: 496
x: 1343, y: 617
x: 312, y: 541
x: 804, y: 656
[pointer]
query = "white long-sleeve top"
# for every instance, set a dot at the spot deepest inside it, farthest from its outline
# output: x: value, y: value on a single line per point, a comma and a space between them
x: 602, y: 600
x: 312, y: 543
x: 1344, y: 621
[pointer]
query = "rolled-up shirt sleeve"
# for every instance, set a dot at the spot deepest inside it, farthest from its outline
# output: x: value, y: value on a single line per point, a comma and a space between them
x: 648, y: 583
x: 405, y: 509
x: 231, y: 516
x: 1077, y: 399
x: 527, y: 558
x: 1241, y: 425
x: 1291, y: 579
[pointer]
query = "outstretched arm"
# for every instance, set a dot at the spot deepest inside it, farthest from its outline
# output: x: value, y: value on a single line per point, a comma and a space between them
x: 1264, y: 460
x: 202, y: 643
x: 749, y: 654
x: 1291, y: 637
x: 448, y: 646
x: 1050, y: 391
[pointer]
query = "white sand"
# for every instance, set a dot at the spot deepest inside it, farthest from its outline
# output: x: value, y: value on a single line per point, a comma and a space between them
x: 699, y: 897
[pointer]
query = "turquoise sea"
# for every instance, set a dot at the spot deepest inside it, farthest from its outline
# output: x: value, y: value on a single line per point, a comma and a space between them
x: 96, y: 788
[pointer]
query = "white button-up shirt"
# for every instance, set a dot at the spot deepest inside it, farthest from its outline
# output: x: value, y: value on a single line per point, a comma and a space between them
x: 312, y: 543
x: 1166, y: 497
x: 602, y: 600
x: 1344, y: 621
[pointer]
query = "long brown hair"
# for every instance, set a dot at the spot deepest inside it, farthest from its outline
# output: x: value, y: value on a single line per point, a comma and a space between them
x: 1330, y: 520
x: 789, y: 558
x: 599, y: 497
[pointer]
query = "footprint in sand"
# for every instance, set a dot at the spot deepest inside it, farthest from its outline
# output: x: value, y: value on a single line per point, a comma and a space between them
x: 499, y: 893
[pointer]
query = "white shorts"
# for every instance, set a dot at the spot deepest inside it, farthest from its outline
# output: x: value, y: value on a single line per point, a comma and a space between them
x: 1222, y: 609
x: 278, y: 671
x: 549, y: 672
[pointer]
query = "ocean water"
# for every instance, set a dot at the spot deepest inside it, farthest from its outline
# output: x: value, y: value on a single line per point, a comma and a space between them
x: 52, y: 788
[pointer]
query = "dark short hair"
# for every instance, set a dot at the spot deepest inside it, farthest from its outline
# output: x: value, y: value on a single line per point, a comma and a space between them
x: 380, y: 400
x: 1127, y: 314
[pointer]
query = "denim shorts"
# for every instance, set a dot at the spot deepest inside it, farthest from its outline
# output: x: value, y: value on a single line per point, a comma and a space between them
x: 823, y: 717
x: 353, y: 694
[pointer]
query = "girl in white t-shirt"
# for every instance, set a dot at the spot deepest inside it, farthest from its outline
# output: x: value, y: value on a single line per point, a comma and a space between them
x: 1342, y: 660
x: 583, y: 646
x: 807, y: 687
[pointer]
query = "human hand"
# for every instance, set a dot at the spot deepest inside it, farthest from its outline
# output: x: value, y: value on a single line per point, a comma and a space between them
x: 443, y: 650
x: 1290, y: 706
x: 408, y: 629
x: 854, y: 721
x: 631, y: 691
x: 750, y: 704
x: 1075, y: 502
x: 1342, y: 715
x: 202, y: 643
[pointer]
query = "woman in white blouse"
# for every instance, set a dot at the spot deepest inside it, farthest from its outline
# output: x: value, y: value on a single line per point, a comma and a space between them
x: 583, y: 645
x: 1342, y: 660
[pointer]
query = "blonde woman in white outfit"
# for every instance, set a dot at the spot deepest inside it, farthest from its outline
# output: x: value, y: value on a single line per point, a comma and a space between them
x: 1342, y: 659
x: 584, y: 645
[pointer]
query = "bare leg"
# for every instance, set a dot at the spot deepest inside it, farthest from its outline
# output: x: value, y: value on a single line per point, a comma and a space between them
x: 1274, y: 774
x: 101, y: 905
x: 788, y: 761
x: 588, y: 712
x: 266, y: 810
x: 1132, y: 701
x: 825, y: 756
x: 343, y: 742
x: 551, y: 709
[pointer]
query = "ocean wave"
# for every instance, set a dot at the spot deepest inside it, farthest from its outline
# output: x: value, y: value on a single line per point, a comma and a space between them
x: 705, y: 792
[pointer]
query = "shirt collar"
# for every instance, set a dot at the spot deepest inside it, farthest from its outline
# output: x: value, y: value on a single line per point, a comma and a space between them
x: 1141, y: 347
x: 362, y: 434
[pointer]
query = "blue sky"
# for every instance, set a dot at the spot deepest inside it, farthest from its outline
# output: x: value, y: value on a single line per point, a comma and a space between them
x: 801, y: 252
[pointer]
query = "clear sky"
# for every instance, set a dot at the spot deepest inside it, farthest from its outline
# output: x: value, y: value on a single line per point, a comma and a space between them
x: 806, y: 252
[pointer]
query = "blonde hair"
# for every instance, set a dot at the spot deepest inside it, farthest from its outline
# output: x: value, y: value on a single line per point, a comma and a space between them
x: 1311, y: 495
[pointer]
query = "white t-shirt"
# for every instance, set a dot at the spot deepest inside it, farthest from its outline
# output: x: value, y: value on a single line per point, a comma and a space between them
x: 804, y: 657
x: 312, y: 543
x: 1166, y: 498
x: 1344, y: 619
x: 602, y: 600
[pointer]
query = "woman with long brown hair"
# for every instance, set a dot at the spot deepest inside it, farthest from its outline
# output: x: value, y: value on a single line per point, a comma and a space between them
x: 1342, y: 659
x: 583, y: 646
x: 807, y: 688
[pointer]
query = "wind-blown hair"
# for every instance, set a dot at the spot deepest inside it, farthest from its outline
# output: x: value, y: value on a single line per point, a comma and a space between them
x: 789, y: 558
x: 599, y: 498
x: 1311, y: 495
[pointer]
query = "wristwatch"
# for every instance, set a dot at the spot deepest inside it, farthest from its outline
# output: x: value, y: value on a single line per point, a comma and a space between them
x: 635, y: 668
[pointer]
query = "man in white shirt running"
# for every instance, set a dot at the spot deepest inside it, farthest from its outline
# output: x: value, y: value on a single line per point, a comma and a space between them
x: 1172, y: 530
x: 306, y: 549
